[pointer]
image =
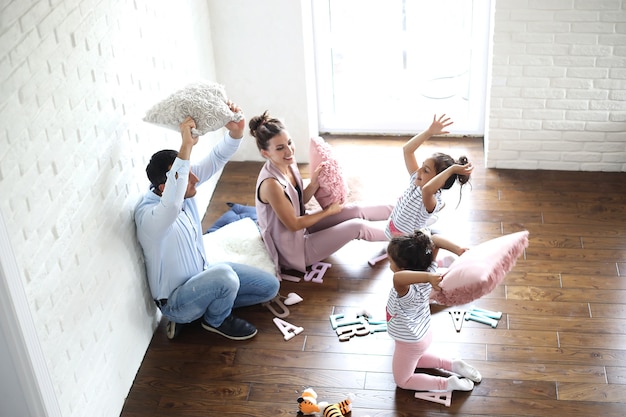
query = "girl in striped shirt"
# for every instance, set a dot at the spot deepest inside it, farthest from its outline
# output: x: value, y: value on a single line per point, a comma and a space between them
x: 422, y: 198
x: 412, y: 260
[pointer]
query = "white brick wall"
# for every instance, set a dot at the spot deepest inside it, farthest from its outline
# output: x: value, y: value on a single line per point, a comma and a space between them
x: 75, y: 80
x: 558, y: 95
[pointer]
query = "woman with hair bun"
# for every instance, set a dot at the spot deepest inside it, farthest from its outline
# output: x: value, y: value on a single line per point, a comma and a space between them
x: 422, y: 198
x: 294, y: 237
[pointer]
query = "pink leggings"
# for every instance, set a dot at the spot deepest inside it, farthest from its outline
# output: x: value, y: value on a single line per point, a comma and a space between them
x: 409, y: 356
x: 353, y: 222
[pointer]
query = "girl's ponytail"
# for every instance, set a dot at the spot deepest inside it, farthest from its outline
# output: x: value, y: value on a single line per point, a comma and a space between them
x: 463, y: 179
x: 442, y: 162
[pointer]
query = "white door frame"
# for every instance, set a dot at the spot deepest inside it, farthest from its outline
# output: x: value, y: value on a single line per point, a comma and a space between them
x: 17, y: 327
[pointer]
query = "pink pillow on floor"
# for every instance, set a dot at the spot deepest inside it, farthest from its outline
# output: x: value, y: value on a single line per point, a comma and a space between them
x: 333, y: 186
x: 479, y: 270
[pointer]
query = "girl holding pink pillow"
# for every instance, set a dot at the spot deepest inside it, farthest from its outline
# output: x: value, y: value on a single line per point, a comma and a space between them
x: 422, y: 198
x: 412, y: 260
x: 294, y: 238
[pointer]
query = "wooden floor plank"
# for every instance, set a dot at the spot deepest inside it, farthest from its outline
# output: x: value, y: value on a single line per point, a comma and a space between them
x: 580, y: 391
x: 565, y: 295
x: 593, y: 282
x: 562, y: 355
x: 567, y: 324
x: 607, y: 341
x: 608, y: 310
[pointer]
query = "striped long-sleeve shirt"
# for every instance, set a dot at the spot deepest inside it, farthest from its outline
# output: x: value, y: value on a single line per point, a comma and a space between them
x: 409, y: 213
x: 408, y: 317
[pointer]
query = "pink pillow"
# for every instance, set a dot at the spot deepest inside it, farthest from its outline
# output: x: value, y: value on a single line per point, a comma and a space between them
x: 333, y: 186
x: 477, y: 271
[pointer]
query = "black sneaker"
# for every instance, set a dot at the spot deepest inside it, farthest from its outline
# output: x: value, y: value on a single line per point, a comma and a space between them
x: 233, y: 328
x: 172, y: 329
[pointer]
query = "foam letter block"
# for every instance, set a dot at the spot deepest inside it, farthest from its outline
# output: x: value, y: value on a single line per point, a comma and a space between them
x: 338, y: 320
x: 292, y: 298
x: 379, y: 327
x: 457, y: 319
x: 316, y: 274
x: 377, y: 259
x: 497, y: 315
x: 276, y: 300
x: 482, y: 319
x: 436, y: 397
x: 285, y: 328
x: 346, y: 332
x: 484, y: 316
x: 288, y: 277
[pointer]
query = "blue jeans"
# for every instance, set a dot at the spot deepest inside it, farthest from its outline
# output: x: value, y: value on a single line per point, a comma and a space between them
x: 213, y: 293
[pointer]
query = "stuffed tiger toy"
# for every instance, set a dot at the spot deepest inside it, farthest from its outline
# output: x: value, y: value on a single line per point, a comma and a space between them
x: 339, y: 409
x: 308, y: 405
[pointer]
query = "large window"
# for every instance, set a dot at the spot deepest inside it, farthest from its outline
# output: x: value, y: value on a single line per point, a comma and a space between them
x: 386, y: 66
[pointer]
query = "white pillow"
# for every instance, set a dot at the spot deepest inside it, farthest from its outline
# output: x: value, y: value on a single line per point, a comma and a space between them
x: 204, y: 101
x: 238, y: 242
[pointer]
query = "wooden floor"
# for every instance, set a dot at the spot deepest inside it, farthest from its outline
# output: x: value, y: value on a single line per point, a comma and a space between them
x: 559, y: 349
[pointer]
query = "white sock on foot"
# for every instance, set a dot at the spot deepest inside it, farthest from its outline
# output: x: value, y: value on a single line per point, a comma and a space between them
x: 459, y: 384
x: 463, y: 368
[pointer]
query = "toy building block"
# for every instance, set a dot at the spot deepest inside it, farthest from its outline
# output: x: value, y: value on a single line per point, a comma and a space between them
x: 292, y: 298
x: 484, y: 316
x: 497, y: 315
x: 338, y: 320
x: 286, y: 327
x: 365, y: 313
x: 284, y: 311
x: 379, y: 327
x: 377, y: 259
x: 457, y: 319
x: 359, y: 324
x: 287, y: 277
x: 359, y: 329
x: 437, y: 397
x: 482, y: 319
x: 316, y: 274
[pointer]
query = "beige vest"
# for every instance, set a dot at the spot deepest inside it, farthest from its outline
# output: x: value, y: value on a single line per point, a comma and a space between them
x: 284, y: 246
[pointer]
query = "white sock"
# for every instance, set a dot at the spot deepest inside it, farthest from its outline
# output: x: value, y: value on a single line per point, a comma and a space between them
x: 463, y: 368
x: 459, y: 384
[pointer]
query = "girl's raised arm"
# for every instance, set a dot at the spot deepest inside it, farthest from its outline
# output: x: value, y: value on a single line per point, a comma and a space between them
x: 403, y: 279
x: 436, y: 128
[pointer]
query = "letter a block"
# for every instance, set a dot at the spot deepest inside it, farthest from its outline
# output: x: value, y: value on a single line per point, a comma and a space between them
x: 286, y: 327
x: 437, y: 397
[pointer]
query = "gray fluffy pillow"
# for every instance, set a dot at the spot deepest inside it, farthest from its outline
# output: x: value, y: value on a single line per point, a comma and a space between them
x: 204, y: 101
